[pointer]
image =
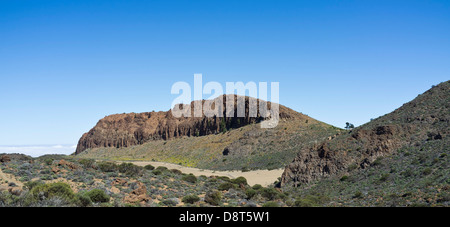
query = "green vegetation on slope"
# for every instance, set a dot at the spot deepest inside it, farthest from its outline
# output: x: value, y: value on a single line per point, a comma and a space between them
x: 67, y: 181
x: 415, y: 176
x: 399, y: 159
x: 250, y: 147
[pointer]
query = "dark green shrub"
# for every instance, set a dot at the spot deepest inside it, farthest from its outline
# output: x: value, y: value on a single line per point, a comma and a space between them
x: 224, y: 178
x: 358, y: 195
x: 83, y: 200
x: 149, y: 167
x: 98, y: 196
x: 257, y: 187
x: 44, y: 172
x: 269, y: 193
x: 384, y: 177
x: 271, y: 204
x: 107, y: 166
x: 213, y: 197
x: 130, y: 169
x: 250, y: 193
x: 176, y: 171
x: 191, y: 199
x: 48, y: 161
x: 419, y: 205
x: 161, y: 168
x: 226, y: 186
x: 344, y: 178
x: 31, y: 184
x: 156, y: 172
x: 190, y: 178
x: 47, y: 191
x: 239, y: 181
x: 169, y: 203
x: 311, y: 201
x: 301, y: 202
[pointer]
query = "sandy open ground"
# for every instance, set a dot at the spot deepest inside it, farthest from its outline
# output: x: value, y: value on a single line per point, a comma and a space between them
x: 262, y: 177
x: 9, y: 178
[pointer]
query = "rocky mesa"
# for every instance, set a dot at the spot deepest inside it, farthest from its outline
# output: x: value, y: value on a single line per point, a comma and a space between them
x: 124, y: 130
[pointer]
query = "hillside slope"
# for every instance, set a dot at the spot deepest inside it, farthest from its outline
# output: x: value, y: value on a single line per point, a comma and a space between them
x: 125, y: 130
x: 423, y: 120
x: 202, y: 142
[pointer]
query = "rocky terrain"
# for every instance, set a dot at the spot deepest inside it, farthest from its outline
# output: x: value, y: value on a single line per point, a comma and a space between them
x: 125, y: 130
x: 207, y: 143
x: 399, y: 159
x: 416, y: 123
x: 57, y: 180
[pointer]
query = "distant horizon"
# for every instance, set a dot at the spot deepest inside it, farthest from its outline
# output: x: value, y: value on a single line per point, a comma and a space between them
x: 38, y: 150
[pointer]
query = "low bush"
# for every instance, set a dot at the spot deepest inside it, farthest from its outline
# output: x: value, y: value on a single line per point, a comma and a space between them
x: 157, y: 172
x: 250, y: 193
x: 301, y: 202
x: 169, y: 202
x: 224, y: 178
x: 257, y: 187
x: 352, y: 167
x: 310, y: 201
x: 162, y: 168
x: 31, y: 184
x: 190, y: 178
x: 226, y: 186
x: 271, y: 204
x: 48, y: 161
x: 130, y: 169
x: 98, y: 196
x: 358, y: 195
x: 176, y: 171
x: 239, y: 181
x: 269, y: 193
x: 344, y: 178
x: 83, y: 200
x: 191, y: 199
x: 107, y: 166
x: 48, y: 191
x: 213, y: 197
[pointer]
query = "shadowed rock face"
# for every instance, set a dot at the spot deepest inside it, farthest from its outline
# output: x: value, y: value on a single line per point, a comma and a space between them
x: 423, y: 119
x: 123, y: 130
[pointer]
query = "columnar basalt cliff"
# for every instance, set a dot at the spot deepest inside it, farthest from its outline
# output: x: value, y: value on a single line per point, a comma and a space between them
x: 124, y: 130
x: 423, y: 119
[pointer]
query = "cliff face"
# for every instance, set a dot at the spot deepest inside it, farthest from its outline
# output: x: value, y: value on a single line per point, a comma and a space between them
x: 423, y: 119
x: 124, y: 130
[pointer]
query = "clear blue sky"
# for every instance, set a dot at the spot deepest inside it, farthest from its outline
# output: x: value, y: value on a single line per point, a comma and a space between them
x: 66, y: 64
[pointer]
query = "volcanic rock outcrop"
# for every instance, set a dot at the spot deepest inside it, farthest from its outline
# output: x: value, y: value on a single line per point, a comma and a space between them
x: 124, y: 130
